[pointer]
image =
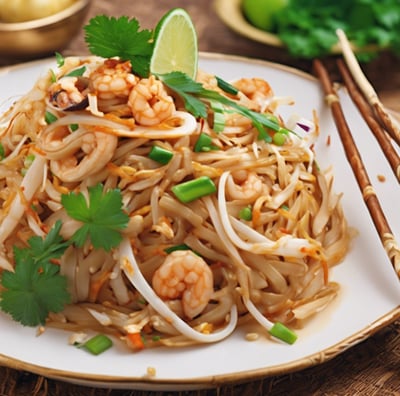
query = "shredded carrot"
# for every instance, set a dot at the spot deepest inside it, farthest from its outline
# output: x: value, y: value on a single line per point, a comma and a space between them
x: 135, y: 341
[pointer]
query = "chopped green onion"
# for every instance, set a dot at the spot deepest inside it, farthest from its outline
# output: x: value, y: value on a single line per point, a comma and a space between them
x: 278, y: 330
x: 219, y: 116
x: 246, y: 213
x: 204, y: 143
x: 226, y: 87
x: 160, y: 155
x: 171, y: 249
x: 98, y: 344
x: 77, y: 72
x: 73, y: 127
x: 279, y: 138
x: 285, y: 207
x: 194, y: 189
x: 49, y: 117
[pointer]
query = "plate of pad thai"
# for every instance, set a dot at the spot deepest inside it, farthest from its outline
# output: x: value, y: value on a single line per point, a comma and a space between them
x: 149, y: 218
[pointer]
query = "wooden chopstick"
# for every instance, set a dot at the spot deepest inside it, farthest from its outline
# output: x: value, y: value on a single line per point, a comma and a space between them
x: 390, y: 124
x: 353, y: 155
x: 365, y: 110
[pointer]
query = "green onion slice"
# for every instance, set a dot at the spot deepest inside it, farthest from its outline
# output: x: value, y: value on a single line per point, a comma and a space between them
x: 226, y: 87
x: 204, y: 143
x: 194, y: 189
x: 98, y: 344
x: 160, y: 155
x: 174, y: 248
x: 50, y: 117
x: 278, y: 330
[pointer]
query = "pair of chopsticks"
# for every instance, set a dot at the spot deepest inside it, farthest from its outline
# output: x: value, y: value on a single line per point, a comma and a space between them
x: 382, y: 125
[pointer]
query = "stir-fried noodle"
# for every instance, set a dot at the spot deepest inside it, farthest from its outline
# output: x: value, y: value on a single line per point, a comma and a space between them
x: 273, y: 265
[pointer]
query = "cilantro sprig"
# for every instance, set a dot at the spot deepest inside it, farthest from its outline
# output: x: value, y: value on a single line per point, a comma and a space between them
x: 103, y: 217
x: 35, y: 288
x: 109, y: 37
x: 122, y: 37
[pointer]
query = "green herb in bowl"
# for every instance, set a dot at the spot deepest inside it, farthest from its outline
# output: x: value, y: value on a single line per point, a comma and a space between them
x: 308, y: 27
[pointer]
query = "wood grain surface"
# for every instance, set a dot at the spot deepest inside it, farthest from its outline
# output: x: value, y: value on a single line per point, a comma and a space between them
x: 369, y: 368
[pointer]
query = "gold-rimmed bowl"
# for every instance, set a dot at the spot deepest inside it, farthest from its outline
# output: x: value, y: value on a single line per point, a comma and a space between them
x: 42, y: 36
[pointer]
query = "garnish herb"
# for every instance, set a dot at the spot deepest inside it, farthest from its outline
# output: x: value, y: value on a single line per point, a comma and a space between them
x: 171, y: 249
x: 103, y: 217
x: 160, y: 155
x: 194, y: 189
x: 60, y: 59
x: 219, y: 116
x: 97, y: 344
x: 194, y: 95
x: 280, y: 331
x: 49, y: 117
x: 35, y: 288
x: 109, y: 37
x: 226, y: 87
x: 204, y: 143
x: 307, y: 27
x: 73, y: 127
x: 76, y: 72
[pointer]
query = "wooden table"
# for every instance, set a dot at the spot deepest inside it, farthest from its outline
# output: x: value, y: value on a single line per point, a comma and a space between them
x: 369, y: 368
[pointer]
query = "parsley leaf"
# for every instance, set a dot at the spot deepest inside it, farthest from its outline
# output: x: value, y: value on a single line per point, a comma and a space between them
x: 102, y: 217
x: 35, y: 288
x: 194, y: 94
x: 109, y: 37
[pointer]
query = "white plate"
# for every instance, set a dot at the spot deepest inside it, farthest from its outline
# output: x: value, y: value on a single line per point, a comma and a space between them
x: 370, y: 291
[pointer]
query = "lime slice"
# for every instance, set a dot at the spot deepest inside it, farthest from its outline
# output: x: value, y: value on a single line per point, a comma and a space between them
x: 175, y: 44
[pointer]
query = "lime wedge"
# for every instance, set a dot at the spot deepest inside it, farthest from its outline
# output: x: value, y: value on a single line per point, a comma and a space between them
x: 175, y: 44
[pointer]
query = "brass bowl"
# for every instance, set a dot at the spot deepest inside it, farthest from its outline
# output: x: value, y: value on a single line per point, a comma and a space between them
x: 42, y: 36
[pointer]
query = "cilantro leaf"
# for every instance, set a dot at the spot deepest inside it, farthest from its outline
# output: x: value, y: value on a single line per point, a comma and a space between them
x: 102, y: 217
x: 110, y: 37
x: 35, y: 288
x: 44, y: 250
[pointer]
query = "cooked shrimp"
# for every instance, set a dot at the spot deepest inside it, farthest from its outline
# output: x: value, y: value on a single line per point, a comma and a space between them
x: 98, y: 148
x: 113, y: 79
x: 254, y: 88
x: 244, y: 185
x: 185, y: 275
x: 150, y: 102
